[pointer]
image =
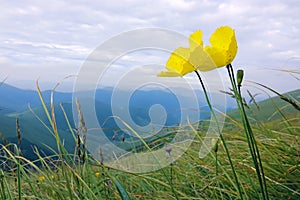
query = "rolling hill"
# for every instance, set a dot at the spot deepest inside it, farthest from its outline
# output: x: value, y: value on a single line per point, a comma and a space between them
x: 268, y: 110
x: 13, y: 102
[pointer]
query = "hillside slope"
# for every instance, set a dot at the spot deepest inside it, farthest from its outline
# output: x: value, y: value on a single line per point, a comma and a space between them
x: 270, y: 109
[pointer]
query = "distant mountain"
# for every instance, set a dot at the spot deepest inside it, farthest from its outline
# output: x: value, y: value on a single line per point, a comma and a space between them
x: 13, y: 99
x: 14, y: 103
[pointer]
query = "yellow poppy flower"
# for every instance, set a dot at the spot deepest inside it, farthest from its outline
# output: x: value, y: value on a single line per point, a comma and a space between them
x: 222, y: 51
x: 223, y: 47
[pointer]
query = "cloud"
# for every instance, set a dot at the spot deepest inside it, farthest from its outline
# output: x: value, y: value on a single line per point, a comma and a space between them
x: 53, y: 39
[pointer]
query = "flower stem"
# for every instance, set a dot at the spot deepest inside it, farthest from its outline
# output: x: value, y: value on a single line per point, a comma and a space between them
x: 221, y: 136
x: 249, y: 134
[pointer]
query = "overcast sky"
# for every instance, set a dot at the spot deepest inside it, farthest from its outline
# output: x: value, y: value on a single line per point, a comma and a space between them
x: 49, y: 40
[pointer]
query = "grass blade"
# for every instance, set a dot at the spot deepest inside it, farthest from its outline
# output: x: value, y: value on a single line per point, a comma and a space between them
x: 123, y: 193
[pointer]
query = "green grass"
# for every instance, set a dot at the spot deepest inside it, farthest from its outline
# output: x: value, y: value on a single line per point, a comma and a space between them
x: 276, y: 126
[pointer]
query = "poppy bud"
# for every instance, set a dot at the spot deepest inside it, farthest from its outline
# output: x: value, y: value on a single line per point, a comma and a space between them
x: 240, y: 75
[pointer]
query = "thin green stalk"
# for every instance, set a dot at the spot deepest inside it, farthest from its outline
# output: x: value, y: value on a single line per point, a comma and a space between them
x: 244, y: 117
x: 4, y: 182
x: 3, y: 195
x: 261, y: 170
x: 221, y: 136
x: 21, y: 169
x: 51, y: 118
x: 67, y: 121
x: 171, y: 168
x: 68, y: 181
x: 249, y: 134
x: 81, y: 180
x: 217, y: 167
x: 213, y: 156
x: 18, y: 172
x: 240, y: 104
x: 216, y: 152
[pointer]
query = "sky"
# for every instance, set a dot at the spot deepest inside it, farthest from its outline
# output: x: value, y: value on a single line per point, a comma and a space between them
x: 49, y: 41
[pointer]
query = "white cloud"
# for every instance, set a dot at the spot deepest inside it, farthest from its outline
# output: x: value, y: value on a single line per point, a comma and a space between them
x: 53, y: 39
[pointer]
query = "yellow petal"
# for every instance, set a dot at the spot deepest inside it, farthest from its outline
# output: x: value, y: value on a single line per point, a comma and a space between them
x: 195, y: 39
x: 223, y: 47
x: 179, y: 62
x: 201, y: 59
x: 218, y: 56
x: 168, y: 74
x: 232, y: 51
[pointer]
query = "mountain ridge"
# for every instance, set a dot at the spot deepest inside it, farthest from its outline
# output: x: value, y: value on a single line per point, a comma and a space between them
x: 33, y: 132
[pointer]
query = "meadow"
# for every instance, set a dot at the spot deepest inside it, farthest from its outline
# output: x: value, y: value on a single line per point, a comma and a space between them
x: 64, y: 175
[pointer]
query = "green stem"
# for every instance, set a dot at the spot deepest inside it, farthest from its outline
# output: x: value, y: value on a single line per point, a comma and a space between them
x: 249, y: 134
x: 221, y: 136
x: 216, y: 152
x: 18, y: 172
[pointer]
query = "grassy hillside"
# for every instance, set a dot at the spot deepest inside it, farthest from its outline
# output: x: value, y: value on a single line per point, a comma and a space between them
x: 270, y: 109
x: 34, y: 131
x: 189, y: 177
